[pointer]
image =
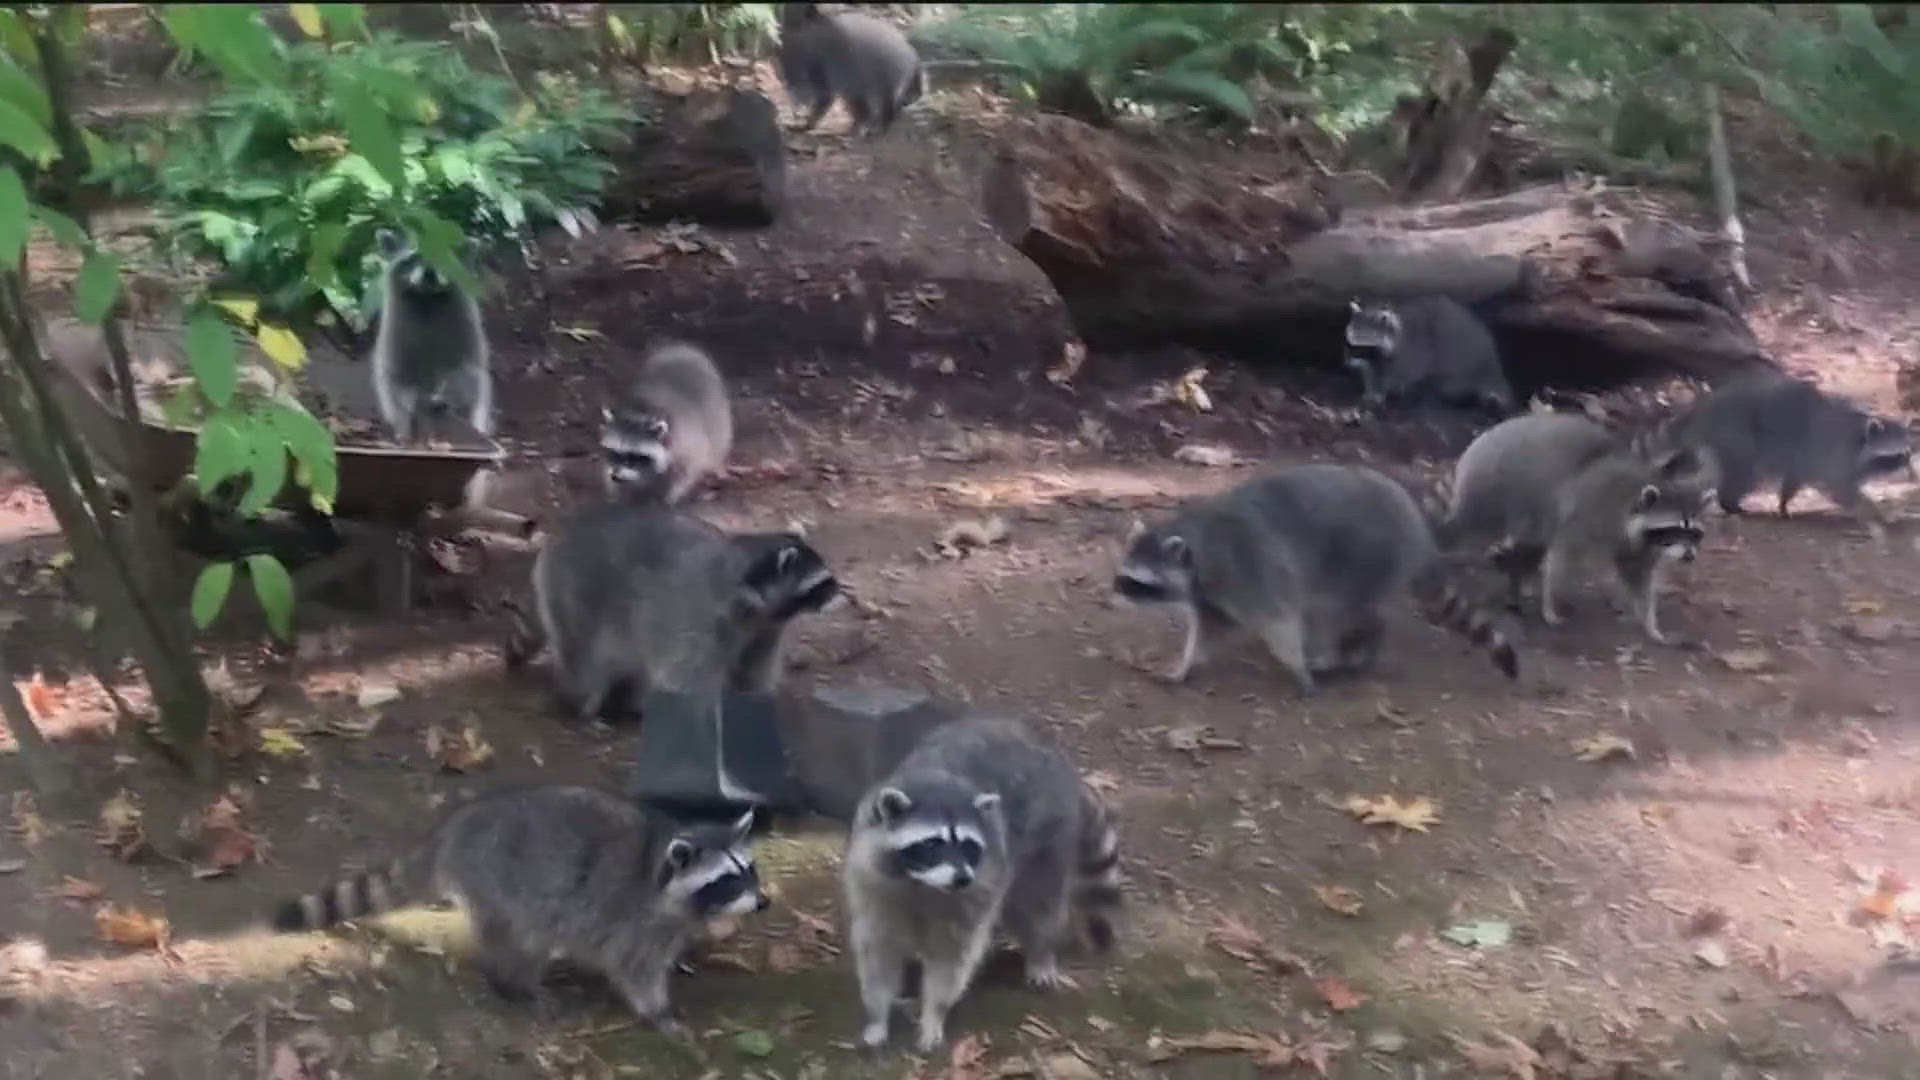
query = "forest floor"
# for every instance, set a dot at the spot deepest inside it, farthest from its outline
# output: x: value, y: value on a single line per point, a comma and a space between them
x: 1730, y: 901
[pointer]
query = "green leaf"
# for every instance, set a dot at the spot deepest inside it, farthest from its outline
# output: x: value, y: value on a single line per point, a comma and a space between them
x: 14, y: 222
x: 274, y: 587
x: 21, y: 131
x: 345, y: 19
x: 266, y: 470
x: 439, y: 241
x: 754, y: 1043
x: 323, y: 247
x: 312, y: 447
x: 65, y: 230
x: 213, y: 358
x: 370, y: 130
x: 210, y: 592
x: 220, y: 452
x: 97, y: 285
x: 24, y: 91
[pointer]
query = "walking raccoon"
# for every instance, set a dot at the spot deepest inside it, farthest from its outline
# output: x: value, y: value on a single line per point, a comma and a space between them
x: 982, y: 826
x: 1426, y: 350
x: 850, y: 57
x: 670, y: 429
x: 1306, y: 557
x: 559, y: 872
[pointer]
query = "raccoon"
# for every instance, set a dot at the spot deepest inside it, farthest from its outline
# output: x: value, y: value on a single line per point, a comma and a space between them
x: 1769, y: 426
x: 1306, y: 557
x: 1551, y: 490
x: 982, y: 826
x: 673, y: 427
x: 631, y: 596
x: 561, y: 872
x: 1426, y: 350
x: 858, y: 59
x: 430, y: 359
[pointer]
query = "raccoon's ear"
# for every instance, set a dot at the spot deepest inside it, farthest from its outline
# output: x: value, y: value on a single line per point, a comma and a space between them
x: 787, y: 557
x: 679, y: 852
x: 1648, y: 496
x: 606, y: 415
x: 742, y: 827
x: 1353, y: 307
x: 891, y: 805
x: 658, y: 427
x: 1876, y: 427
x: 1175, y: 548
x: 986, y: 802
x: 389, y: 242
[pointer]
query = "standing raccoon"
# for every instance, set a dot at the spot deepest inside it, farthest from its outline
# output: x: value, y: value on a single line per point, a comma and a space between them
x: 1426, y: 350
x: 1553, y: 490
x: 559, y: 872
x: 982, y: 826
x: 635, y: 596
x: 1767, y: 426
x: 672, y: 428
x: 855, y: 58
x: 1306, y: 558
x: 430, y: 360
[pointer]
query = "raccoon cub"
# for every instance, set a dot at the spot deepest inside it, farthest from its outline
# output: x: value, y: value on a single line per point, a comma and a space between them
x: 1769, y: 426
x: 430, y: 355
x: 981, y: 826
x: 1306, y: 558
x: 670, y: 429
x: 1426, y: 350
x: 631, y: 596
x: 1552, y: 490
x: 855, y: 58
x: 560, y: 872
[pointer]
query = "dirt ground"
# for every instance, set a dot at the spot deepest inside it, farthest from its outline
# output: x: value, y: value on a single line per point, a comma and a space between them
x: 1730, y: 901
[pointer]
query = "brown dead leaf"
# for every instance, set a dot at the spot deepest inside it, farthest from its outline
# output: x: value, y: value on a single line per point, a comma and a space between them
x: 1339, y: 898
x: 1193, y: 738
x: 460, y: 753
x: 1244, y: 943
x: 1101, y: 782
x: 956, y: 538
x: 1884, y: 901
x: 784, y: 957
x: 963, y: 1062
x: 131, y: 928
x: 1339, y: 996
x: 1267, y: 1052
x: 1188, y: 391
x: 43, y: 701
x: 1414, y: 814
x: 119, y: 830
x: 1602, y: 746
x: 1509, y: 1057
x: 28, y: 825
x: 309, y: 1055
x: 1066, y: 1065
x: 1747, y: 661
x: 81, y: 889
x: 1072, y: 355
x: 1212, y: 457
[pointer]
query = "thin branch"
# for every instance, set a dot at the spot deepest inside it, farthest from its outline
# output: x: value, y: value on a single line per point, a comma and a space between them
x: 1726, y: 201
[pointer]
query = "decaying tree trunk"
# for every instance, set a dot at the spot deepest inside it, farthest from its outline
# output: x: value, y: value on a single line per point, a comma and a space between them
x: 711, y: 156
x: 1447, y: 131
x: 1145, y: 250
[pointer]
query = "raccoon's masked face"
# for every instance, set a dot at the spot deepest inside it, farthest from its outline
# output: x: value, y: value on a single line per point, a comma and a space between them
x: 709, y: 872
x: 410, y: 271
x: 785, y: 576
x: 1373, y: 330
x: 1158, y: 567
x: 1886, y: 448
x: 941, y: 848
x: 1666, y: 514
x: 636, y: 452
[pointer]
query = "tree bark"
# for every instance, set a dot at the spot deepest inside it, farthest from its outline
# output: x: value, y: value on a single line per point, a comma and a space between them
x: 1146, y: 250
x: 1446, y: 133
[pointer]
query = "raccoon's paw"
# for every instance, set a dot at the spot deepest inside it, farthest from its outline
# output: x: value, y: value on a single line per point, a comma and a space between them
x: 874, y: 1035
x: 1047, y: 977
x: 931, y: 1036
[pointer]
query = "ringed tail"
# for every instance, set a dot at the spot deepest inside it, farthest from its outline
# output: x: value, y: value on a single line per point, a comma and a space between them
x: 1097, y: 876
x: 1447, y: 608
x: 355, y: 896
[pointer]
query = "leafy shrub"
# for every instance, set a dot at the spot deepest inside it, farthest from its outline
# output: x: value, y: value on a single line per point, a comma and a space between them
x: 651, y: 33
x: 272, y: 182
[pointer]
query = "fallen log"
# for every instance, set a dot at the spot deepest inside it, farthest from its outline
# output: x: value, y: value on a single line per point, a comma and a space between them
x: 714, y: 156
x: 1146, y: 250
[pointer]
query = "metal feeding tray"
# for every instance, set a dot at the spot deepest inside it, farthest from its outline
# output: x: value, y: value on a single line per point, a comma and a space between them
x: 378, y: 482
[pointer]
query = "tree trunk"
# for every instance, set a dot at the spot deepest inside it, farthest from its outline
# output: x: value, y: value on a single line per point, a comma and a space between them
x: 712, y: 156
x: 1146, y: 250
x: 1446, y: 134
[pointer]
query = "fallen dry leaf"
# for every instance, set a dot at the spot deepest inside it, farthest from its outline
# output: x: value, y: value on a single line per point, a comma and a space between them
x: 309, y: 1055
x: 222, y: 837
x: 1213, y: 457
x: 280, y: 744
x: 1193, y: 738
x: 1064, y: 1066
x: 956, y: 538
x: 1338, y: 995
x: 1188, y: 391
x: 74, y: 888
x: 1072, y: 355
x: 28, y: 825
x: 43, y: 701
x: 1267, y: 1051
x: 1884, y: 901
x: 120, y: 831
x: 12, y: 866
x: 1747, y: 661
x: 1711, y: 953
x: 1415, y: 814
x: 375, y: 694
x: 1339, y: 898
x: 1510, y: 1057
x: 1602, y: 746
x: 131, y: 928
x: 1244, y: 943
x: 464, y: 752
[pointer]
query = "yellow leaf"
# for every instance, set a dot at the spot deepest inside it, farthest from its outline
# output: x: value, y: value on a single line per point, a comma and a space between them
x: 280, y: 744
x: 282, y: 346
x: 622, y: 40
x: 308, y: 16
x: 1340, y: 898
x: 1602, y: 746
x: 131, y: 928
x: 60, y: 560
x: 247, y: 311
